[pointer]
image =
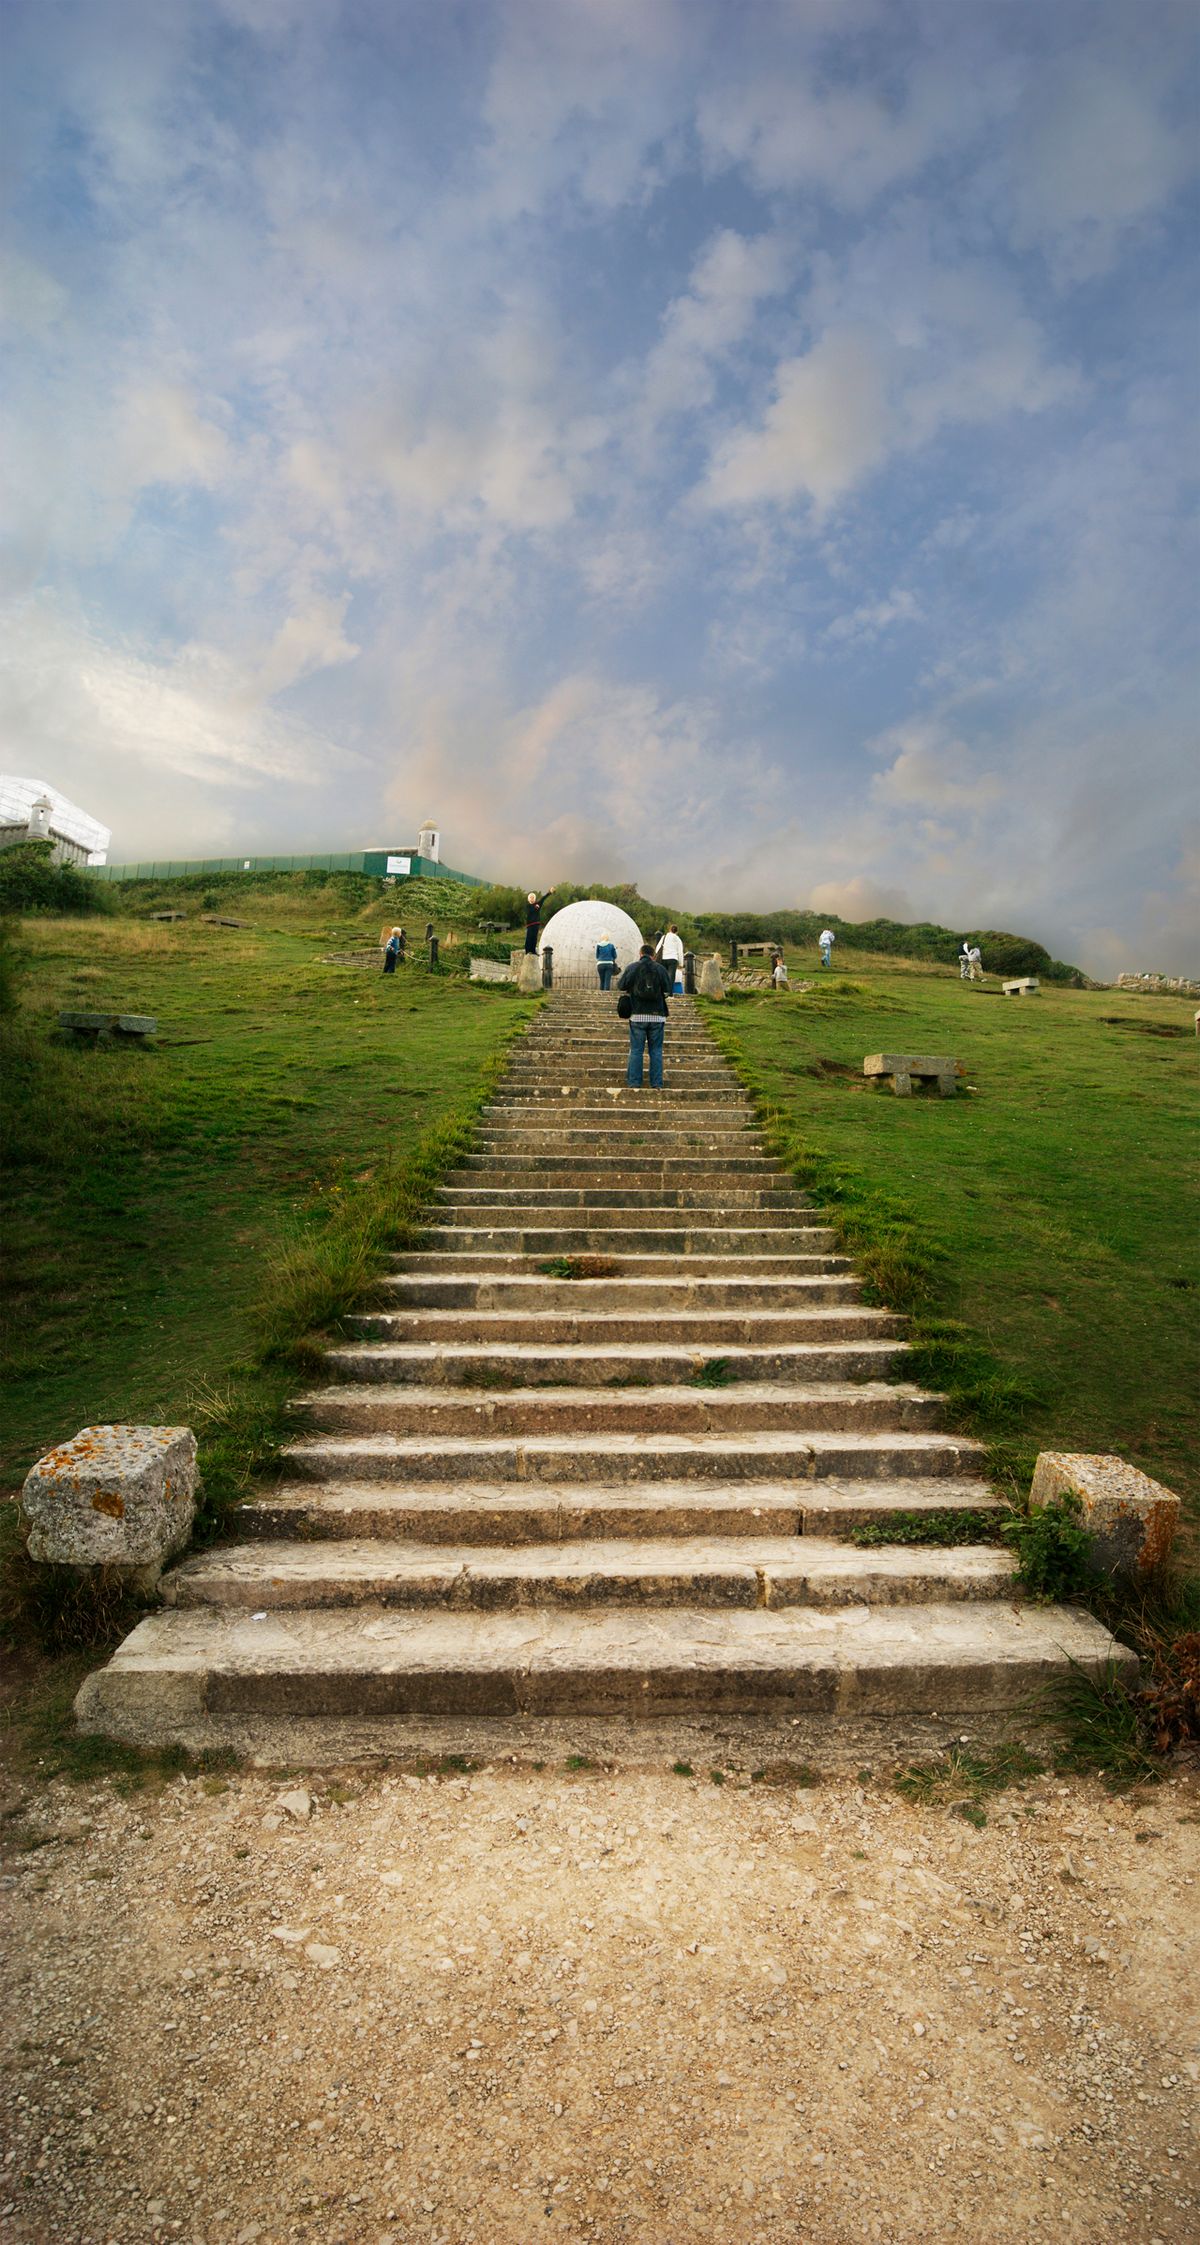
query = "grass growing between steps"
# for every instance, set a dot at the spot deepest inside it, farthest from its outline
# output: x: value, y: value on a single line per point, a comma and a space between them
x: 179, y: 1220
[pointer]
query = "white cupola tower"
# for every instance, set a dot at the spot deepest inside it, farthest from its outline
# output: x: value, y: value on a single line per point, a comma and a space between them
x: 40, y: 815
x: 430, y: 842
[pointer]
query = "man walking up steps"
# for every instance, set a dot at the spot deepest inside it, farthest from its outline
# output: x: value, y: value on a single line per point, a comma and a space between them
x: 645, y: 984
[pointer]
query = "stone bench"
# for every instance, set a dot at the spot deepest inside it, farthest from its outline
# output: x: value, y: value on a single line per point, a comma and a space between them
x: 759, y: 950
x: 926, y: 1067
x: 490, y: 970
x: 91, y: 1027
x: 1023, y: 986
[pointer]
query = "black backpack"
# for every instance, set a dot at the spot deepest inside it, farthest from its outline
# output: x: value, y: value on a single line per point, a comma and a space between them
x: 646, y: 985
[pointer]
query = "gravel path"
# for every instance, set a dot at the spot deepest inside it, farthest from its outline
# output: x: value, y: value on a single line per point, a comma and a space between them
x: 603, y: 2005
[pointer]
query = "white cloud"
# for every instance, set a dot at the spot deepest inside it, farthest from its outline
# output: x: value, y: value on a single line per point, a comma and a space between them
x: 827, y: 426
x: 1099, y: 153
x: 930, y: 772
x: 728, y: 282
x: 67, y: 695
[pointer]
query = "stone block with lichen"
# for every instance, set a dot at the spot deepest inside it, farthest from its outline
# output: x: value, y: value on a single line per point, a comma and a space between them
x: 120, y: 1496
x: 1131, y: 1518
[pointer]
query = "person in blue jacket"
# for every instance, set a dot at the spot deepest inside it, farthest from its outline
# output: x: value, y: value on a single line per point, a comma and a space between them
x: 606, y: 961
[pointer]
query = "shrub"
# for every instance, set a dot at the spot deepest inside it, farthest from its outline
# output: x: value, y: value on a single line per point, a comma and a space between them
x: 1053, y: 1549
x: 30, y: 881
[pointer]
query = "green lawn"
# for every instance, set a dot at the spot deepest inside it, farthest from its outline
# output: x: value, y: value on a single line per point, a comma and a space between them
x: 1056, y: 1195
x: 146, y: 1188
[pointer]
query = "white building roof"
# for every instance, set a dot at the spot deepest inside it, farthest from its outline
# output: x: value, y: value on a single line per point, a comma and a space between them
x: 18, y: 796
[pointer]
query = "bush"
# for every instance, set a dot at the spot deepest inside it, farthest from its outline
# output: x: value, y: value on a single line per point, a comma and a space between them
x: 30, y: 881
x: 1053, y: 1549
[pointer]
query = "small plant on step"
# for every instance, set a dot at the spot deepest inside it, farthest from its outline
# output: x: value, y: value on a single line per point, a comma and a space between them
x: 717, y: 1373
x: 944, y: 1529
x: 580, y: 1266
x: 1052, y: 1549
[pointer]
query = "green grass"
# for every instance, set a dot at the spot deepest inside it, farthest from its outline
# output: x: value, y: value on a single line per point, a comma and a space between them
x: 944, y: 1529
x: 1040, y: 1228
x: 180, y: 1219
x: 962, y: 1781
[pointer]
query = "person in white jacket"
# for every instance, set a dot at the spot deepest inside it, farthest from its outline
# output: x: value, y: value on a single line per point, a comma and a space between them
x: 825, y: 941
x: 670, y: 951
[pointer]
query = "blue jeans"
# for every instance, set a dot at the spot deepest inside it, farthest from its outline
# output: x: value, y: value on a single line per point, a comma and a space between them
x: 606, y: 974
x: 645, y: 1036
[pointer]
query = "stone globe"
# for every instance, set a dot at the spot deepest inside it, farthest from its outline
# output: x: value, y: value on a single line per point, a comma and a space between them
x: 573, y: 934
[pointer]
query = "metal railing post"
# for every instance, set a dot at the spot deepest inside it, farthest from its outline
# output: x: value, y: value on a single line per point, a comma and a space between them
x: 689, y: 973
x: 547, y: 966
x: 733, y: 958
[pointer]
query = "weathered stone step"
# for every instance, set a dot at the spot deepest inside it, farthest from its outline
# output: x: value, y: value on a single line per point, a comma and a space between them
x: 659, y: 1260
x: 178, y: 1669
x: 623, y: 1111
x: 747, y: 1571
x: 633, y: 1363
x: 771, y: 1456
x: 374, y: 1407
x: 612, y: 1240
x: 505, y: 1512
x: 542, y: 1295
x: 490, y: 1217
x: 483, y: 1196
x: 665, y: 1170
x: 709, y: 1332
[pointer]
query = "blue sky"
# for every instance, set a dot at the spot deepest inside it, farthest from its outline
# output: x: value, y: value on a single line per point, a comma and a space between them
x: 750, y: 449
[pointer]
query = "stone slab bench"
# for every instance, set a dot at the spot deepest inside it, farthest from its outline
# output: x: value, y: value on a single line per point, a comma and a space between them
x: 903, y: 1067
x: 490, y: 970
x: 168, y: 915
x: 93, y: 1026
x: 758, y: 950
x: 1023, y: 986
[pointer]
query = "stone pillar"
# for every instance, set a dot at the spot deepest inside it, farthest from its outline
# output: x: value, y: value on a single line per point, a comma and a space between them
x: 547, y: 966
x: 902, y: 1086
x: 711, y: 985
x: 529, y: 974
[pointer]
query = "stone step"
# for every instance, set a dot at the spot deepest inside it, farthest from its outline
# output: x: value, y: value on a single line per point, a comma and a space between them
x: 625, y: 1111
x: 747, y: 1571
x: 667, y: 1170
x: 180, y: 1669
x: 770, y: 1456
x: 709, y: 1332
x: 601, y: 1247
x: 544, y: 1294
x: 722, y: 1241
x: 504, y: 1512
x: 485, y: 1196
x: 488, y: 1216
x: 634, y: 1363
x: 749, y: 1406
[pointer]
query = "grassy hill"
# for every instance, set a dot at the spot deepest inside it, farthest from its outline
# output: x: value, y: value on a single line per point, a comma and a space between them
x: 1048, y: 1211
x: 152, y: 1195
x: 1042, y: 1227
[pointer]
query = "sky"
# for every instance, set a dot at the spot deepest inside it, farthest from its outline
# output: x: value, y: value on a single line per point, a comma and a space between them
x: 747, y: 447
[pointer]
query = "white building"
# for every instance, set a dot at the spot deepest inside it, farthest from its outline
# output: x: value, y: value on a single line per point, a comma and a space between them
x: 30, y: 812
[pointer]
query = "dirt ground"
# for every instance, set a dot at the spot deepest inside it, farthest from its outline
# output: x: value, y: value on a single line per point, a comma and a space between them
x: 596, y: 2005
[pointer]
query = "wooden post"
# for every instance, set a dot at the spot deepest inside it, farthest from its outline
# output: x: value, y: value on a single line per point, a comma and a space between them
x: 547, y: 966
x: 689, y: 973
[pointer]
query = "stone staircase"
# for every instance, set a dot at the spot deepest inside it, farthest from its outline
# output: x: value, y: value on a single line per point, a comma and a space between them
x: 592, y: 1455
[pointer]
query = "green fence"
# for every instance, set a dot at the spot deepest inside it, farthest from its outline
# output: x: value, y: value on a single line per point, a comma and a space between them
x: 379, y: 862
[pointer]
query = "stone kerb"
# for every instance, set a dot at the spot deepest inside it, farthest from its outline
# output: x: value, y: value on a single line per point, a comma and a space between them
x: 1132, y: 1519
x: 115, y: 1496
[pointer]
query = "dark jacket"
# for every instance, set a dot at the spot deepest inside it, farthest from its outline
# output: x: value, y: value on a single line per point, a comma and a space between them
x: 533, y: 912
x: 665, y: 981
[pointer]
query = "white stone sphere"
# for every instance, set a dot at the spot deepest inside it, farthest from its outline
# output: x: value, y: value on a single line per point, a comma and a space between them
x: 573, y: 934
